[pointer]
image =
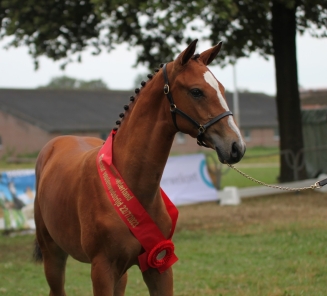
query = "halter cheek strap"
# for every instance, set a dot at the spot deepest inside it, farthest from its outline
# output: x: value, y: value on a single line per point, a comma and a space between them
x: 174, y: 110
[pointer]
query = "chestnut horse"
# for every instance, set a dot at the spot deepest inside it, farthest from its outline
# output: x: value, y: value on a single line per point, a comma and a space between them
x: 73, y: 214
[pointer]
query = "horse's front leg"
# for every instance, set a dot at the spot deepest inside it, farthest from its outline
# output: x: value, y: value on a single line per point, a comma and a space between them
x: 120, y: 287
x: 159, y: 284
x: 105, y: 279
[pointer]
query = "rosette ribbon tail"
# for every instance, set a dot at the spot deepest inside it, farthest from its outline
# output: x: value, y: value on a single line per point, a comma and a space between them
x: 161, y: 257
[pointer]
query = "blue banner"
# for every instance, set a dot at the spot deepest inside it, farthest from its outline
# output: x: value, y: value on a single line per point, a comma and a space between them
x: 17, y: 193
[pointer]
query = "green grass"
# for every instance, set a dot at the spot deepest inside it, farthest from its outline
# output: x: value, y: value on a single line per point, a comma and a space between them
x: 274, y: 246
x: 261, y: 163
x: 7, y: 161
x: 266, y: 174
x: 254, y: 264
x: 286, y: 261
x: 257, y: 150
x: 4, y: 166
x: 252, y: 155
x: 261, y: 155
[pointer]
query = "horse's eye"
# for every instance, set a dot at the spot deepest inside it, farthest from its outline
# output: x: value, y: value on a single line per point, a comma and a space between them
x: 196, y: 93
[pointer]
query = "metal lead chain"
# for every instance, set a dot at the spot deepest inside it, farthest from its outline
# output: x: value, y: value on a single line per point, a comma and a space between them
x: 314, y: 186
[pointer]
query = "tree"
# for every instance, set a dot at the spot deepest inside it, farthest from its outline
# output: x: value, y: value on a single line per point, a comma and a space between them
x: 138, y: 79
x: 95, y: 84
x: 61, y: 28
x: 65, y: 82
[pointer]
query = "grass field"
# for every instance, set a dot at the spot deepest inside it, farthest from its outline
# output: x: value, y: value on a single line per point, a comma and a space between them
x: 266, y: 173
x: 272, y: 246
x: 259, y: 162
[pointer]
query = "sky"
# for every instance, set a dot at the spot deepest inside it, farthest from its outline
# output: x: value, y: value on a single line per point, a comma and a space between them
x: 254, y: 74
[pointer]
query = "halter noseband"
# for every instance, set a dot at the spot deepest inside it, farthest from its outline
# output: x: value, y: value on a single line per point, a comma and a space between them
x: 174, y: 110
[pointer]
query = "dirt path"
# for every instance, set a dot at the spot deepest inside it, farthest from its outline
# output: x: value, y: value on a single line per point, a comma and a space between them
x: 309, y: 207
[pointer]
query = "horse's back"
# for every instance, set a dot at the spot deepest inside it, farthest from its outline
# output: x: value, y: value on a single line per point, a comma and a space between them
x: 66, y: 146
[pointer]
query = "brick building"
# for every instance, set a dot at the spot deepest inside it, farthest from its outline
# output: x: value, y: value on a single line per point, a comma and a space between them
x: 31, y: 117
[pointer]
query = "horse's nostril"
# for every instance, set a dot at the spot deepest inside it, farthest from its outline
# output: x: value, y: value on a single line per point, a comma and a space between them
x: 235, y: 151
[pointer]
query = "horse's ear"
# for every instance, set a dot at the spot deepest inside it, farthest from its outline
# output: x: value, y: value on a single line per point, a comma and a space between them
x: 209, y: 55
x: 184, y: 57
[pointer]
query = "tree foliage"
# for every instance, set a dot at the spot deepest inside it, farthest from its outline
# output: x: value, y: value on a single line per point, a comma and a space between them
x: 56, y: 29
x: 138, y: 79
x: 65, y: 82
x: 61, y: 28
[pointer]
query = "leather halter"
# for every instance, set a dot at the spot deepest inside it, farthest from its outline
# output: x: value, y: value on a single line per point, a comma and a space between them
x: 174, y: 110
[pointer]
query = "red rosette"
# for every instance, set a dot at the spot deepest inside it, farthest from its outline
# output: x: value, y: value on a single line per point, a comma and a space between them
x: 161, y: 254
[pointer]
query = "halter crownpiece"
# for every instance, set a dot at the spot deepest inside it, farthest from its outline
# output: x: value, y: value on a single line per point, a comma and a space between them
x: 174, y: 110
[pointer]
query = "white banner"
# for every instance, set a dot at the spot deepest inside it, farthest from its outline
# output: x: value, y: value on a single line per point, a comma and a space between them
x: 186, y: 180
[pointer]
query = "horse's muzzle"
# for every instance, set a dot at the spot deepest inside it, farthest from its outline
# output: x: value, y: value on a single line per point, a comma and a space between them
x: 235, y: 155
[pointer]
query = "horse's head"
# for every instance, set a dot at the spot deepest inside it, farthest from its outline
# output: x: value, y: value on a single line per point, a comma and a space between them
x: 198, y: 104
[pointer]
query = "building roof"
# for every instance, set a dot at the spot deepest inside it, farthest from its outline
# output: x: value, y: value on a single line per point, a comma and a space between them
x: 81, y: 110
x: 256, y: 109
x: 65, y: 110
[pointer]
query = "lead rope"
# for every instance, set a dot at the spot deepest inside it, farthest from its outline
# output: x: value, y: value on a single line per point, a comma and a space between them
x: 316, y: 185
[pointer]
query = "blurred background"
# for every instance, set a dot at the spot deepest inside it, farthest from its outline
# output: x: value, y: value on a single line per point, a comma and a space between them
x: 69, y: 67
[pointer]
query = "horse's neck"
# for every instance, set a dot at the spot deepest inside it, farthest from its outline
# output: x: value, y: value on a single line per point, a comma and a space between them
x: 143, y: 142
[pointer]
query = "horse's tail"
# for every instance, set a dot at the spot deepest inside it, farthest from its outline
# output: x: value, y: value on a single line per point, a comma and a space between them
x: 37, y: 254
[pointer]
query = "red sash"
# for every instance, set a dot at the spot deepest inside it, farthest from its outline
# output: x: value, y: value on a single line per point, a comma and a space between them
x: 159, y: 251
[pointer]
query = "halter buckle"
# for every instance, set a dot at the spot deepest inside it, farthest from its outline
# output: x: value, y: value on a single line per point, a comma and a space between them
x: 201, y: 129
x: 172, y: 107
x: 166, y: 89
